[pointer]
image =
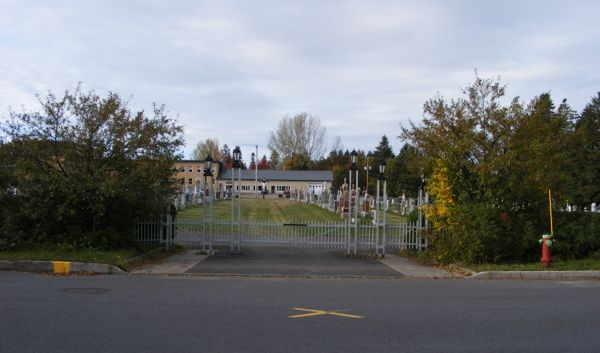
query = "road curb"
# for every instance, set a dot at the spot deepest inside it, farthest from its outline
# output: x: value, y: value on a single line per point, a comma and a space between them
x: 60, y: 267
x: 538, y: 275
x: 267, y: 276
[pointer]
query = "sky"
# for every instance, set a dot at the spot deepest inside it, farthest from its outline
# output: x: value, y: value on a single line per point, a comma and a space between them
x: 232, y: 69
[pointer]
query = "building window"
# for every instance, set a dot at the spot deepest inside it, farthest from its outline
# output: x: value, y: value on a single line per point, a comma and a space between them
x: 190, y: 169
x: 190, y: 181
x: 182, y: 181
x: 281, y: 187
x: 245, y: 187
x: 181, y: 169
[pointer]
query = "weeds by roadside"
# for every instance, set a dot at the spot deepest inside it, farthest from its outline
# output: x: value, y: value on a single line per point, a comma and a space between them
x: 120, y: 258
x: 589, y: 263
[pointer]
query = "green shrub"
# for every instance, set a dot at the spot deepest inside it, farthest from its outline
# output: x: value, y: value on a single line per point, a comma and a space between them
x: 577, y: 234
x: 480, y: 233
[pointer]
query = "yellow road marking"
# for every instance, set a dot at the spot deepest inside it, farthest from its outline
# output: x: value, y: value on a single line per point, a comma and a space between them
x: 61, y: 267
x: 345, y: 315
x: 314, y: 312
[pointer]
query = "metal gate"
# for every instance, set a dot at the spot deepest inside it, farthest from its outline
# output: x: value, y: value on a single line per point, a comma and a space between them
x: 343, y: 235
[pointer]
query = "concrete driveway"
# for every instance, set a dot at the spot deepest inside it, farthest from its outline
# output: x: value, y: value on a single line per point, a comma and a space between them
x: 292, y: 262
x: 273, y: 261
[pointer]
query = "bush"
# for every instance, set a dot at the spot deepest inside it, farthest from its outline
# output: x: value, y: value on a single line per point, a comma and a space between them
x: 577, y: 234
x: 480, y: 233
x: 81, y: 171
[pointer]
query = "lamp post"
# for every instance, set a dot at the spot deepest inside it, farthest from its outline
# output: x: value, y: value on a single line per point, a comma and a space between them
x: 237, y: 158
x: 380, y: 178
x: 353, y: 168
x: 207, y: 173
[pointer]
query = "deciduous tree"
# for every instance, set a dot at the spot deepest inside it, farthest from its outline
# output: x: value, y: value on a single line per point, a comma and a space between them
x: 300, y: 136
x: 208, y: 147
x: 84, y: 168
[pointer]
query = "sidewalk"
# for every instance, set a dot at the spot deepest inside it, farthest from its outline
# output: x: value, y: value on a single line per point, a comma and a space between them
x: 412, y: 269
x: 172, y: 265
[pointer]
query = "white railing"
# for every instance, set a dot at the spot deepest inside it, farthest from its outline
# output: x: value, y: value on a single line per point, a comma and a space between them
x: 391, y: 236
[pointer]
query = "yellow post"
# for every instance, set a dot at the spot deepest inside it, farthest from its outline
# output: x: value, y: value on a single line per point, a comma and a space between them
x: 61, y: 267
x: 550, y: 203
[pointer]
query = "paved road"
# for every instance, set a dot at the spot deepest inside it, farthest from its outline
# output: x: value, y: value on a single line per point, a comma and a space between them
x: 188, y: 314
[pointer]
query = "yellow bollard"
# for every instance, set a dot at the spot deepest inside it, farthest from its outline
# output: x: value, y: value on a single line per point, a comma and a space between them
x: 61, y: 267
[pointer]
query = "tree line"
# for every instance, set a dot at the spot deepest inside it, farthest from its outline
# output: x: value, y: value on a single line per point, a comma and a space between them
x: 487, y: 162
x: 489, y: 166
x: 78, y: 171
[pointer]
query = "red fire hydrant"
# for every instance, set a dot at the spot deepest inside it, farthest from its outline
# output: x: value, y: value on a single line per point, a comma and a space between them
x: 547, y: 241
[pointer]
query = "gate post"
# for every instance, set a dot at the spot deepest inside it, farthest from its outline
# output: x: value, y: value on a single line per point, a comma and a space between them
x: 385, y: 204
x: 168, y: 232
x: 376, y: 219
x: 349, y: 214
x: 203, y: 210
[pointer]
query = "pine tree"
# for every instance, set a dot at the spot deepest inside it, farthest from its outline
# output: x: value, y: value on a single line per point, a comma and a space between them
x: 383, y: 150
x: 275, y: 160
x: 587, y: 160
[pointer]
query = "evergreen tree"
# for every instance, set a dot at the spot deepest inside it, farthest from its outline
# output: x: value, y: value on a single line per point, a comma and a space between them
x: 587, y: 168
x: 383, y: 150
x: 404, y: 173
x: 275, y: 161
x: 226, y: 157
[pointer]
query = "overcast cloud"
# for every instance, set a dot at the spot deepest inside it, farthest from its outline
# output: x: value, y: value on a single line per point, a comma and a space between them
x: 233, y: 69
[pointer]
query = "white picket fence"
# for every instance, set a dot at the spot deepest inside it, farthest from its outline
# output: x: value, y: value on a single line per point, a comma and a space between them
x: 342, y: 234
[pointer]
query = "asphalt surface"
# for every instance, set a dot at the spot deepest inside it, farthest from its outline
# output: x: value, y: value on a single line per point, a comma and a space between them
x: 192, y: 314
x: 292, y: 262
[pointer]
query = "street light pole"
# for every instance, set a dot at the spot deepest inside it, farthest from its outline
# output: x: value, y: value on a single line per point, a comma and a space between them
x: 239, y: 235
x: 207, y: 173
x: 353, y: 158
x: 381, y: 177
x: 237, y: 157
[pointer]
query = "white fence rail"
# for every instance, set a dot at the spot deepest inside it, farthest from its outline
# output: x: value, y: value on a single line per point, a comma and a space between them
x: 391, y: 236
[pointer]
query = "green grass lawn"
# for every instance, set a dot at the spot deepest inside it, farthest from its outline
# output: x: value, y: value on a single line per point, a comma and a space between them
x: 113, y: 257
x: 272, y: 210
x: 590, y: 263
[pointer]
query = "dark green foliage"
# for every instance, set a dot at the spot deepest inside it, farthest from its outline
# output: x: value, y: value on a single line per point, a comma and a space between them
x: 482, y: 234
x: 500, y: 163
x: 404, y: 173
x: 587, y: 155
x: 83, y: 169
x: 577, y: 234
x: 383, y: 150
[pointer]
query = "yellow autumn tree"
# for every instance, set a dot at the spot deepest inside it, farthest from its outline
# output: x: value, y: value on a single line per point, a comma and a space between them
x: 439, y: 213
